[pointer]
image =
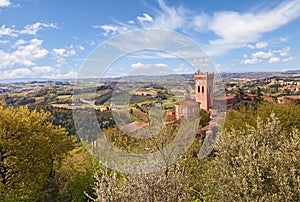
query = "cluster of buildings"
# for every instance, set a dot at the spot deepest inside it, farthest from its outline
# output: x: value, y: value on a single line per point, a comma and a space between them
x: 293, y: 86
x: 184, y: 109
x: 204, y: 98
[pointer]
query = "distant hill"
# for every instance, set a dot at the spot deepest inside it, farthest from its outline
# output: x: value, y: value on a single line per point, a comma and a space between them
x: 243, y: 75
x: 261, y: 75
x: 23, y: 80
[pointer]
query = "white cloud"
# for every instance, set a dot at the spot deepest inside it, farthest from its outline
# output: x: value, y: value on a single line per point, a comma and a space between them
x: 138, y: 65
x: 19, y: 42
x: 59, y: 51
x: 4, y: 41
x: 63, y: 52
x: 68, y: 75
x: 148, y: 69
x: 60, y: 54
x: 201, y: 62
x: 250, y: 46
x: 173, y: 18
x: 262, y: 54
x: 284, y: 39
x: 273, y: 56
x: 8, y: 31
x: 5, y: 3
x: 200, y: 22
x: 42, y: 69
x: 109, y: 29
x: 250, y: 61
x: 30, y: 29
x: 37, y: 72
x: 283, y: 52
x: 141, y: 65
x: 16, y: 73
x: 80, y: 47
x: 34, y: 28
x: 235, y: 29
x: 288, y: 59
x: 25, y: 54
x: 170, y: 17
x: 160, y: 65
x: 274, y: 60
x: 261, y: 45
x: 144, y: 18
x: 181, y: 69
x: 96, y: 26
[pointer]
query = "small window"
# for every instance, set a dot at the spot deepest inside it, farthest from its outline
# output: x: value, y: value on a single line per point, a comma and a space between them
x: 202, y: 89
x: 198, y: 89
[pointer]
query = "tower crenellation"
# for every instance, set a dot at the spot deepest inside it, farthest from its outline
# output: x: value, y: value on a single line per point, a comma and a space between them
x: 209, y: 75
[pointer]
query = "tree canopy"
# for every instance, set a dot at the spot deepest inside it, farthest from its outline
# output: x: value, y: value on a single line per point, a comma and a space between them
x: 257, y: 164
x: 31, y: 148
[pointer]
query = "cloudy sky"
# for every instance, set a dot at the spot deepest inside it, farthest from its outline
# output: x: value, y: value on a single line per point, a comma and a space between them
x: 53, y: 38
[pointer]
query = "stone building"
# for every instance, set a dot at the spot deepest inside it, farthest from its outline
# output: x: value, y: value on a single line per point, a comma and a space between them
x: 204, y: 89
x: 184, y: 109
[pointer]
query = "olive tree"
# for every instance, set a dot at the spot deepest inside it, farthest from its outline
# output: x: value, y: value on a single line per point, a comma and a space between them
x: 257, y: 164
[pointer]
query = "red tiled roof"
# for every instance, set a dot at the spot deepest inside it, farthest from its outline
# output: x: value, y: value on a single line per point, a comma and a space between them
x: 227, y: 97
x: 267, y: 98
x: 170, y: 118
x: 293, y: 97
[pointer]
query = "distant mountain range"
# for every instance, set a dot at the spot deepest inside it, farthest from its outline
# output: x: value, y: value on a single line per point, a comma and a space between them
x: 261, y: 75
x: 243, y: 75
x: 21, y: 80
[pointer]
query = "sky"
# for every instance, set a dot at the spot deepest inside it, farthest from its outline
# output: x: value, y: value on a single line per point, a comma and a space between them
x: 53, y: 38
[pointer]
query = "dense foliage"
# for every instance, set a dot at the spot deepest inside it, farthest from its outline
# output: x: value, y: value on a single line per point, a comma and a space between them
x: 31, y: 149
x: 289, y: 116
x: 257, y: 164
x: 256, y: 158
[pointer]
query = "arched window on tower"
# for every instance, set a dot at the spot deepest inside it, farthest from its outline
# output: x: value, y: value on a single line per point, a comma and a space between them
x: 198, y: 89
x: 202, y: 89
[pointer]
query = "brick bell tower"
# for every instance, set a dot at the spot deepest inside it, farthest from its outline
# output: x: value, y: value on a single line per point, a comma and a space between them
x: 204, y: 89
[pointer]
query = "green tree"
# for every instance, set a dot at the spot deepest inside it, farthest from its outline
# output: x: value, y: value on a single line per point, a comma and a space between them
x: 239, y: 99
x: 204, y: 118
x: 77, y: 171
x: 31, y: 150
x: 112, y: 186
x: 257, y: 164
x: 258, y: 97
x: 289, y: 116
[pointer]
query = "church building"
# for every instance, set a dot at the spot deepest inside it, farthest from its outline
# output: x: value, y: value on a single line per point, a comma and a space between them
x: 184, y: 109
x: 203, y: 94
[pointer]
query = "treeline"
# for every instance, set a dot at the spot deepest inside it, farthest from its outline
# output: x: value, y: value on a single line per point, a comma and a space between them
x: 256, y: 158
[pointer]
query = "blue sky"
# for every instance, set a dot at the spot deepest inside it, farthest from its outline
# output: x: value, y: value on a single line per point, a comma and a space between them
x: 52, y: 38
